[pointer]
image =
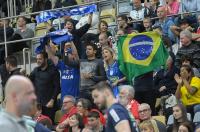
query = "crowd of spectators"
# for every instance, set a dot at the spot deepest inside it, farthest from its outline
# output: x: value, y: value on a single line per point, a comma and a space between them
x: 78, y: 86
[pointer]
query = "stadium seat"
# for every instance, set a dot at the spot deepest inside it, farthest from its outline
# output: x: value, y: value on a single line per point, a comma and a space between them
x: 160, y: 118
x: 41, y: 29
x: 79, y: 2
x: 196, y: 119
x: 171, y: 119
x: 124, y: 7
x: 108, y: 15
x: 107, y: 11
x: 58, y: 116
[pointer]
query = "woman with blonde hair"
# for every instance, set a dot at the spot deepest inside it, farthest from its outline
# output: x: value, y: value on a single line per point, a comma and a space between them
x: 114, y: 75
x: 148, y: 126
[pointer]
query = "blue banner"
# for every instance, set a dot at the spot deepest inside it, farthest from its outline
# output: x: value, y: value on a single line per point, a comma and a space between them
x: 57, y: 37
x: 82, y: 10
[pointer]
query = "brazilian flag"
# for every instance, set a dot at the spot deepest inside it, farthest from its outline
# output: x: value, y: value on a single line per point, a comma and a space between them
x: 140, y: 53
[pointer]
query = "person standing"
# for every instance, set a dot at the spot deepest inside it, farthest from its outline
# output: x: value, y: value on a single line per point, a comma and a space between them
x: 92, y: 71
x: 118, y: 119
x: 69, y: 68
x: 46, y: 79
x: 20, y: 97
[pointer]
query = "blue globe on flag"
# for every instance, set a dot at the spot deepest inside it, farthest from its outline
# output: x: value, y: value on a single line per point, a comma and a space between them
x: 141, y: 47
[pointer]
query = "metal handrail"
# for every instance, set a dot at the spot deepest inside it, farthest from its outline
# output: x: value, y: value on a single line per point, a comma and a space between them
x: 35, y: 13
x: 27, y: 50
x: 22, y: 40
x: 5, y: 42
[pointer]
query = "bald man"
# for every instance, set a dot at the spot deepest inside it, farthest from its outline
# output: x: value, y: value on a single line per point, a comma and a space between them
x: 165, y: 23
x: 20, y: 98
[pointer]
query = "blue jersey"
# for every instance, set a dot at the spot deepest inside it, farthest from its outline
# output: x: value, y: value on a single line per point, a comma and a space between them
x: 115, y: 114
x: 70, y: 78
x: 113, y: 74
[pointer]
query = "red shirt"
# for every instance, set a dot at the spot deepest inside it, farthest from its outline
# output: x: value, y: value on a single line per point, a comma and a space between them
x: 43, y: 117
x: 133, y: 107
x: 67, y: 115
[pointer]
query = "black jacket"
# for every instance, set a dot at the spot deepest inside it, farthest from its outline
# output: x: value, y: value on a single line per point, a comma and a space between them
x: 166, y: 78
x: 139, y: 84
x: 77, y: 34
x: 5, y: 75
x: 9, y: 33
x: 46, y: 82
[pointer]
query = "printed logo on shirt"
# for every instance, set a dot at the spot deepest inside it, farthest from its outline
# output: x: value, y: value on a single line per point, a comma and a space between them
x: 114, y: 115
x: 67, y: 77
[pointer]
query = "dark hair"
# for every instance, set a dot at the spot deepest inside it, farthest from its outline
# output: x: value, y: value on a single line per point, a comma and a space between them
x: 184, y: 116
x: 86, y: 103
x: 71, y: 21
x: 44, y: 54
x: 124, y: 17
x: 183, y: 21
x: 12, y: 60
x: 189, y: 69
x: 91, y: 44
x: 187, y: 58
x: 80, y: 120
x: 94, y: 114
x: 101, y: 86
x: 188, y: 125
x: 24, y: 18
x: 39, y: 106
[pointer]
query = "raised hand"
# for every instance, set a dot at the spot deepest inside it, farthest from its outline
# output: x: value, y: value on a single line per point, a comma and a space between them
x: 178, y: 79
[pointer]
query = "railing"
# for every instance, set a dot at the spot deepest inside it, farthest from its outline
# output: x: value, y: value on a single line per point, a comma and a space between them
x: 27, y: 51
x: 35, y: 13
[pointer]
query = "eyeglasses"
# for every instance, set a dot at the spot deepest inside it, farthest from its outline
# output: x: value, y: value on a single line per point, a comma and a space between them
x: 143, y: 111
x: 66, y: 102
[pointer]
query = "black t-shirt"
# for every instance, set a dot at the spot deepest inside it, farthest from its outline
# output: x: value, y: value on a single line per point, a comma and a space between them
x: 117, y: 113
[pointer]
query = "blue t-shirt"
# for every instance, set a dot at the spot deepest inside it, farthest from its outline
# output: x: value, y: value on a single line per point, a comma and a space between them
x: 113, y: 74
x: 117, y: 113
x: 70, y: 80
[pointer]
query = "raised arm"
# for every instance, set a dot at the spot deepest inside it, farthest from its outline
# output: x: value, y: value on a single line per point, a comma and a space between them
x: 51, y: 50
x: 71, y: 57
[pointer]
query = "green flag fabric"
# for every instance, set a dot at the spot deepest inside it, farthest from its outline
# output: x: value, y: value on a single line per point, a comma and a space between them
x: 141, y: 53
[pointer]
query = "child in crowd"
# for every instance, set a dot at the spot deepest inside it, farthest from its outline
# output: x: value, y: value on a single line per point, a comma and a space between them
x: 147, y: 24
x: 39, y: 117
x: 148, y: 126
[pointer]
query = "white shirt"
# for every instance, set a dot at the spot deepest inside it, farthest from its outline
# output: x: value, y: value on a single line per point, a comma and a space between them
x: 137, y: 14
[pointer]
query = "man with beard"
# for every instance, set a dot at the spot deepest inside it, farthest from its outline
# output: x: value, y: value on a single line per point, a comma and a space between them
x: 20, y: 98
x: 118, y: 119
x: 46, y: 79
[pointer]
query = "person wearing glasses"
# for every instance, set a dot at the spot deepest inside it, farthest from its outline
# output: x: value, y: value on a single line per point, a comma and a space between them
x: 144, y: 111
x: 122, y: 24
x: 68, y: 108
